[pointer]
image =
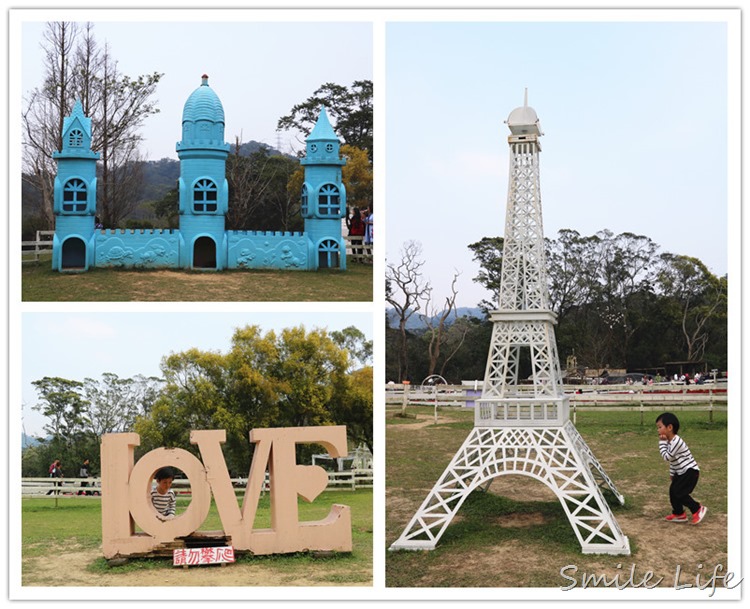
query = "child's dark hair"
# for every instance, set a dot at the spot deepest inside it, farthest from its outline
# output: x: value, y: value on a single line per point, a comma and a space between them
x: 667, y: 419
x: 164, y: 473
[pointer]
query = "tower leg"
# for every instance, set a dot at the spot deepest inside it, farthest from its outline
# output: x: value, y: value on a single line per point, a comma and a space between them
x: 556, y: 456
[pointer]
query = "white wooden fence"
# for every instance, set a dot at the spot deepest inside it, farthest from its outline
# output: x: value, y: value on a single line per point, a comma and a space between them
x: 71, y: 487
x: 32, y: 250
x: 364, y: 251
x: 610, y: 397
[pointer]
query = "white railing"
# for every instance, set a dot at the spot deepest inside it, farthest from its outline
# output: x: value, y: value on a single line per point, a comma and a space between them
x: 31, y: 250
x: 363, y: 251
x: 598, y: 396
x: 71, y: 487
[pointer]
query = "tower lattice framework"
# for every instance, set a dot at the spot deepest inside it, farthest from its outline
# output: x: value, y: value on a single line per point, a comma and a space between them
x: 523, y: 428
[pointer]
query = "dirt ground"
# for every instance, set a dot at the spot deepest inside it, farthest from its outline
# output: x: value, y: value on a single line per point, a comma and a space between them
x: 70, y: 568
x: 676, y: 553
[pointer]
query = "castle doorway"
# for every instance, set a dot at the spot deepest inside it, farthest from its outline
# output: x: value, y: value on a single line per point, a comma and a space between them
x: 328, y: 254
x: 73, y: 254
x: 204, y: 253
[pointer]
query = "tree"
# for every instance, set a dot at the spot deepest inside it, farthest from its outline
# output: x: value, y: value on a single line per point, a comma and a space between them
x: 114, y: 403
x: 355, y: 407
x: 357, y: 177
x: 436, y: 327
x: 700, y: 296
x: 76, y: 68
x: 62, y: 402
x: 488, y: 252
x: 349, y: 108
x: 43, y: 115
x: 258, y: 194
x: 356, y: 344
x: 295, y: 378
x: 64, y: 405
x: 124, y: 104
x: 406, y: 290
x: 619, y: 303
x: 168, y: 208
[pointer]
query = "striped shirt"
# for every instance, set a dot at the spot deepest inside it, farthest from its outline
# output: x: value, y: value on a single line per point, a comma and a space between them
x: 678, y: 454
x: 164, y: 504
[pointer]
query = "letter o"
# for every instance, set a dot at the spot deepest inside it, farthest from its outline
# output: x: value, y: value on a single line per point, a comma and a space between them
x: 139, y: 494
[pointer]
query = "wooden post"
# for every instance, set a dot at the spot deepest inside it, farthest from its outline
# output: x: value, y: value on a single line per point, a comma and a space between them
x: 405, y: 398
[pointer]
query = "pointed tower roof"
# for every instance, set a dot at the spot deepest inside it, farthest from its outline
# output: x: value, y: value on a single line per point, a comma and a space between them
x: 203, y: 104
x: 77, y: 115
x: 323, y: 131
x: 322, y: 143
x: 76, y: 135
x: 523, y: 120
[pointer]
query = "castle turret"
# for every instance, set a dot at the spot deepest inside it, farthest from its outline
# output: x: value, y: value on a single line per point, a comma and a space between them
x: 75, y: 195
x: 203, y: 188
x: 324, y: 196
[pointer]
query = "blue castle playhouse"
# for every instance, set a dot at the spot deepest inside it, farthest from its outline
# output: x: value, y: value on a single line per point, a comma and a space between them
x: 201, y: 242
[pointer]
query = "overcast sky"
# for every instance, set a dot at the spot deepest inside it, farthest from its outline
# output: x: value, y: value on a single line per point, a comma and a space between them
x: 76, y: 346
x: 635, y: 122
x: 259, y: 69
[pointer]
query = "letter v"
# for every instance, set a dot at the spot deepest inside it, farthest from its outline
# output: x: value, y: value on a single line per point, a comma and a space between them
x: 238, y: 525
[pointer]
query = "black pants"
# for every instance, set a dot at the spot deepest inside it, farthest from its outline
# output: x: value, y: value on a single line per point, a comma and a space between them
x: 680, y: 489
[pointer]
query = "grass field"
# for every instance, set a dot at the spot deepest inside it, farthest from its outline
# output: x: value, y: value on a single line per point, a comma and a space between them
x: 41, y: 283
x: 517, y: 534
x: 62, y: 547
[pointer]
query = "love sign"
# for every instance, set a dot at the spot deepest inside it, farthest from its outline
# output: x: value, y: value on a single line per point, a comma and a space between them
x: 126, y: 488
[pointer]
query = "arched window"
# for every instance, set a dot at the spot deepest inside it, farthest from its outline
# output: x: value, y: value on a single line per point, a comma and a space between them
x: 75, y: 138
x: 205, y: 196
x: 329, y: 200
x: 328, y: 254
x: 74, y: 196
x: 303, y: 203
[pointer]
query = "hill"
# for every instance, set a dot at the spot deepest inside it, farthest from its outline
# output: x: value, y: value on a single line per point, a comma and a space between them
x: 416, y: 323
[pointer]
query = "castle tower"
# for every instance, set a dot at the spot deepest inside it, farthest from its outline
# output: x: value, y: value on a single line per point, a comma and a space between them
x: 203, y: 189
x: 324, y: 196
x: 74, y: 201
x: 523, y: 428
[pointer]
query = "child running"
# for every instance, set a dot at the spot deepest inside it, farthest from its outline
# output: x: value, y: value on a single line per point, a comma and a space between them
x: 683, y: 470
x: 162, y: 495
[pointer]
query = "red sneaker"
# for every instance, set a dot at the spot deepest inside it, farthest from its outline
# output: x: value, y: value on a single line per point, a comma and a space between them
x: 677, y: 517
x: 700, y: 514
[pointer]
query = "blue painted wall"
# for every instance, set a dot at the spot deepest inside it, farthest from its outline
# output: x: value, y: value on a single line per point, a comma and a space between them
x: 202, y: 241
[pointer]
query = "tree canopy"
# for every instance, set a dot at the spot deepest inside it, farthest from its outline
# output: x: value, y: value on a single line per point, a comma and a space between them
x: 349, y: 107
x: 620, y: 303
x: 296, y: 377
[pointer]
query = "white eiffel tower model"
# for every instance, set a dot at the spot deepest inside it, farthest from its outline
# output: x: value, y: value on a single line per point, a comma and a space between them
x: 523, y: 429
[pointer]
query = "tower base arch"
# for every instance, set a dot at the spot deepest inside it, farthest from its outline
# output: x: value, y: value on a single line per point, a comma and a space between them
x: 556, y: 456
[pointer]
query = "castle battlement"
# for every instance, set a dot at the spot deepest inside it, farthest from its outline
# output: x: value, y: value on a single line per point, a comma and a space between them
x: 138, y: 231
x: 263, y: 233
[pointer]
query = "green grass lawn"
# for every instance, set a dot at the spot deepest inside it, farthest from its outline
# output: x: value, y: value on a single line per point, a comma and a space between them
x: 76, y: 523
x: 41, y: 283
x: 517, y: 534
